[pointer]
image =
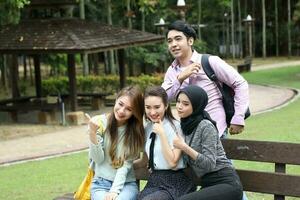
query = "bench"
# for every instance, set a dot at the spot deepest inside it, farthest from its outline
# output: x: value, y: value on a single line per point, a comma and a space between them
x: 277, y: 183
x: 97, y: 99
x: 246, y: 66
x: 27, y: 104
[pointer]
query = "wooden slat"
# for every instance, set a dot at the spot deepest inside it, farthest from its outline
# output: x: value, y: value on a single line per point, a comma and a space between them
x: 67, y: 196
x: 270, y: 183
x: 262, y: 151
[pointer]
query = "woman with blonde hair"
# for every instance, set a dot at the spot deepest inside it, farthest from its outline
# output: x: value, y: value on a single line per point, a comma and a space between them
x: 116, y: 139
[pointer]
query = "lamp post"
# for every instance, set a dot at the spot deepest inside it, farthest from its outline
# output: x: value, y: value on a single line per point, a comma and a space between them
x: 249, y: 20
x: 161, y: 24
x: 181, y: 6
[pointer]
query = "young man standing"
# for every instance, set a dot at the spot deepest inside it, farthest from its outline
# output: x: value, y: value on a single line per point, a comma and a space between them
x: 186, y: 70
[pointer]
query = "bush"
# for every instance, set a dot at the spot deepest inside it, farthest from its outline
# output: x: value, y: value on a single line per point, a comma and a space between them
x: 94, y: 84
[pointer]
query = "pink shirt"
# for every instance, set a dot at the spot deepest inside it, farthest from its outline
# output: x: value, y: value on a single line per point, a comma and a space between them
x: 226, y: 74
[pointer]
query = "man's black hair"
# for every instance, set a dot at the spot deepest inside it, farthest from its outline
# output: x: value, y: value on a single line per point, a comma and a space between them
x: 183, y: 27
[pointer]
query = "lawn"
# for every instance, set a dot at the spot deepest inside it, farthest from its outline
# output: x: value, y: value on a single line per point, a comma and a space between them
x: 47, y: 179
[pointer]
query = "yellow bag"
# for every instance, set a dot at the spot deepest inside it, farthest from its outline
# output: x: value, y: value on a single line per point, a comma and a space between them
x: 83, y: 192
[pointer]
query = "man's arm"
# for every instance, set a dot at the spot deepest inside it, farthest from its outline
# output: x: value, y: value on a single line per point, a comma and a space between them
x: 228, y: 75
x: 171, y: 84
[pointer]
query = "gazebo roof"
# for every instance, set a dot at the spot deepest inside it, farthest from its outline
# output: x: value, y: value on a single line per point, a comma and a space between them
x: 69, y: 36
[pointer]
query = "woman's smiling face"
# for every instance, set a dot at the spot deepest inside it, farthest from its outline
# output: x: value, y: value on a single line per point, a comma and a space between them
x: 183, y: 106
x: 155, y: 108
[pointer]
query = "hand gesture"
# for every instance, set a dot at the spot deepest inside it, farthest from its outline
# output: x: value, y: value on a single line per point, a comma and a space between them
x: 235, y: 129
x: 178, y: 142
x: 111, y: 196
x: 93, y: 126
x: 190, y: 70
x: 158, y: 127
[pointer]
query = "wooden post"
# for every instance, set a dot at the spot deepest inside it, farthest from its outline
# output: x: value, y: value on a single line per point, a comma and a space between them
x: 14, y: 76
x: 281, y: 168
x: 72, y: 82
x: 37, y: 75
x: 121, y: 68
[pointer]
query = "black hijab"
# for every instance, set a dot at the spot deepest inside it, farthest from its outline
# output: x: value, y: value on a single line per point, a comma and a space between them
x: 199, y: 100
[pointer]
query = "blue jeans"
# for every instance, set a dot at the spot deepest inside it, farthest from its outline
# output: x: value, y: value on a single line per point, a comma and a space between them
x: 224, y: 136
x: 101, y: 186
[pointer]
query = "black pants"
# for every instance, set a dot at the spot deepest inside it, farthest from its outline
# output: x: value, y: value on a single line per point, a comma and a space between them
x: 220, y: 185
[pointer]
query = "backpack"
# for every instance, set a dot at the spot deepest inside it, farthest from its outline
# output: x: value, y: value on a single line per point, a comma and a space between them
x: 226, y: 91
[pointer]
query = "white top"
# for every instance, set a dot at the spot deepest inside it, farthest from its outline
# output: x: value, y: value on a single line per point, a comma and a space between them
x: 160, y: 163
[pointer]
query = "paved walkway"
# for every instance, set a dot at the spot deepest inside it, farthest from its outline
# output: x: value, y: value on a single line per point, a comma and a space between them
x: 262, y: 99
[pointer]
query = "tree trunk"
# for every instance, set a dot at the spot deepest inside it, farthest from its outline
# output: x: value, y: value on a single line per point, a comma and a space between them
x: 240, y: 30
x: 199, y: 19
x: 232, y: 30
x: 85, y: 61
x: 143, y: 20
x: 276, y: 27
x: 254, y: 28
x: 289, y: 29
x: 130, y: 63
x: 264, y: 29
x: 111, y: 52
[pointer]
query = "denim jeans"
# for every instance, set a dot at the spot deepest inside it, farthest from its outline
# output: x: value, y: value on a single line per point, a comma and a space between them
x: 224, y: 136
x: 101, y: 186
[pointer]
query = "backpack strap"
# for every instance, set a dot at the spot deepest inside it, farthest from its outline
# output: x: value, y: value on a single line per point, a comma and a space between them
x: 210, y: 72
x: 207, y: 68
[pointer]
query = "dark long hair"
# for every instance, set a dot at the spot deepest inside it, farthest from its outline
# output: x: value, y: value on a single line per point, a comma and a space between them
x: 134, y: 134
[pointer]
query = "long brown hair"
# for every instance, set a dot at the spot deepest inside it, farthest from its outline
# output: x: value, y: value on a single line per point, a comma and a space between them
x: 134, y: 134
x: 158, y: 91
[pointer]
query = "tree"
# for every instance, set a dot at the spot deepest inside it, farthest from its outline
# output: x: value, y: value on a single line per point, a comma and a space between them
x: 289, y: 28
x: 276, y: 27
x: 264, y: 28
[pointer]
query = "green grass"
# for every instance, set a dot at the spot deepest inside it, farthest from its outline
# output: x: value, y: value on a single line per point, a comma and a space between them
x: 53, y: 177
x: 43, y: 179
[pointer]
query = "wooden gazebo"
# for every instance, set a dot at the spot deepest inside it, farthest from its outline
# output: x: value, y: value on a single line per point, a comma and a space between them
x: 67, y: 36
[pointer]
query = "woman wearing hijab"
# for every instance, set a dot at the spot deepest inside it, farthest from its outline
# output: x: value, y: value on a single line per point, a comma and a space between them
x: 203, y: 149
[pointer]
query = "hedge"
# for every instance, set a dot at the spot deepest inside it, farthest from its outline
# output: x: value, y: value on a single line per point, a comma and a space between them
x: 94, y: 84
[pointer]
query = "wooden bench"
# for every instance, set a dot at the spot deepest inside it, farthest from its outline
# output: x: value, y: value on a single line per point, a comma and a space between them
x: 277, y: 183
x: 27, y: 104
x: 97, y: 99
x: 246, y: 66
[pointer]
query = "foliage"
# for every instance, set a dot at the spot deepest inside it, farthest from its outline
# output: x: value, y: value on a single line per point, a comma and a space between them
x: 108, y: 84
x: 296, y: 15
x: 57, y: 62
x: 10, y: 11
x: 150, y: 57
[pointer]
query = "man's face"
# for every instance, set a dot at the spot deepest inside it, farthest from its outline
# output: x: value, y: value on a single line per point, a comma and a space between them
x: 178, y: 44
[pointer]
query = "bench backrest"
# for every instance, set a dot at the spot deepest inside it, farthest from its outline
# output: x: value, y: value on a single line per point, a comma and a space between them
x: 278, y: 182
x: 279, y: 153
